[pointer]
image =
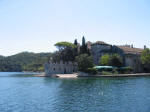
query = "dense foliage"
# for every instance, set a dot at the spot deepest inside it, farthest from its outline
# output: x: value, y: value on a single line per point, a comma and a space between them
x: 66, y: 51
x: 83, y: 48
x: 24, y: 61
x: 145, y: 57
x: 116, y: 60
x: 84, y: 62
x: 111, y: 60
x: 105, y: 60
x: 92, y: 71
x: 64, y: 45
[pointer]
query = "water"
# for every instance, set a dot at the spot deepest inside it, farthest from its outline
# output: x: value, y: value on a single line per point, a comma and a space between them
x: 20, y: 92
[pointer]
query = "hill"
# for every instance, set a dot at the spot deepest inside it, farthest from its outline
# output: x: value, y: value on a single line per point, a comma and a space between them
x: 25, y: 61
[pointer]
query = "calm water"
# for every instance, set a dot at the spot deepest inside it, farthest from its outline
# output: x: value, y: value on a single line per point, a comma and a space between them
x: 24, y: 93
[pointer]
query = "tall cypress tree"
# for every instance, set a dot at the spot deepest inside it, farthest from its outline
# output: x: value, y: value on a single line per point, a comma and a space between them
x: 76, y: 48
x: 75, y: 42
x: 84, y: 46
x: 83, y: 41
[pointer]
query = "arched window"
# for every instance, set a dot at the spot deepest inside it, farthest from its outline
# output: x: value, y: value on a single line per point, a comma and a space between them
x: 54, y: 69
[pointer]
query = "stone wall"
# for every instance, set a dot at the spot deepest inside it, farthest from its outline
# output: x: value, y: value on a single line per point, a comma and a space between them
x: 134, y: 61
x: 98, y: 50
x: 60, y: 68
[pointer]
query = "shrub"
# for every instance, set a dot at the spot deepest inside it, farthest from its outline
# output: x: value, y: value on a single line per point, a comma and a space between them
x: 92, y: 71
x: 115, y: 71
x: 145, y: 57
x: 116, y: 60
x: 84, y: 62
x: 126, y: 70
x: 106, y: 73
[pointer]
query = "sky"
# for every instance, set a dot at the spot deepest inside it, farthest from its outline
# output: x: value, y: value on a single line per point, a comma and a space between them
x: 36, y: 25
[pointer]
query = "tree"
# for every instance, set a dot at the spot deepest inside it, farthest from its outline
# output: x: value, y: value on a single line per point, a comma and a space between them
x: 84, y: 62
x: 64, y: 45
x: 84, y: 46
x: 83, y: 41
x: 66, y: 51
x: 55, y: 57
x: 76, y: 49
x: 75, y: 42
x: 105, y: 60
x: 116, y: 60
x: 145, y: 57
x: 111, y: 60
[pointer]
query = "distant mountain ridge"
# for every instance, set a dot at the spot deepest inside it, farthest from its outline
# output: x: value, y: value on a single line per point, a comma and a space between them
x: 24, y: 61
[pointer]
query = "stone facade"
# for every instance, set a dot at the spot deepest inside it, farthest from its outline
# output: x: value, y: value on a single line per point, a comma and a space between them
x: 98, y: 50
x: 130, y: 55
x: 134, y: 61
x: 60, y: 68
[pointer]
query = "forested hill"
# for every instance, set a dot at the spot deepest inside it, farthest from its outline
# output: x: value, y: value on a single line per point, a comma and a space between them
x: 25, y: 61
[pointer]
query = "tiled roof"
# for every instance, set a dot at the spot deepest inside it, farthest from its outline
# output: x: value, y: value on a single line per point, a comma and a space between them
x: 130, y: 50
x: 100, y: 43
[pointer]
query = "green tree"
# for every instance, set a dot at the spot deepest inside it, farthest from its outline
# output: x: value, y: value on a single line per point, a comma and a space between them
x: 64, y: 45
x: 84, y: 62
x: 116, y: 60
x: 56, y: 57
x: 76, y: 49
x: 66, y: 51
x: 75, y: 42
x: 84, y: 46
x: 145, y: 57
x: 105, y: 60
x: 83, y: 41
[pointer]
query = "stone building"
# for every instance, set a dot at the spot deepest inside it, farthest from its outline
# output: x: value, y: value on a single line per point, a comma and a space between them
x: 60, y: 68
x: 98, y: 49
x: 130, y: 55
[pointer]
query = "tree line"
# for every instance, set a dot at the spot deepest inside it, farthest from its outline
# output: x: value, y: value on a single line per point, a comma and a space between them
x: 25, y: 61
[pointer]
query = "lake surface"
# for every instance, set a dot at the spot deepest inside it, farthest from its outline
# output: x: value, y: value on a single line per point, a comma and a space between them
x: 20, y: 92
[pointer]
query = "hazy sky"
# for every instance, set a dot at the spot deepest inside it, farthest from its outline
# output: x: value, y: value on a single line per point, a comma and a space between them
x: 35, y: 25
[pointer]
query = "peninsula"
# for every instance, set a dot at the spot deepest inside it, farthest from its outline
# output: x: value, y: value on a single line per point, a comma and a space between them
x: 97, y: 58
